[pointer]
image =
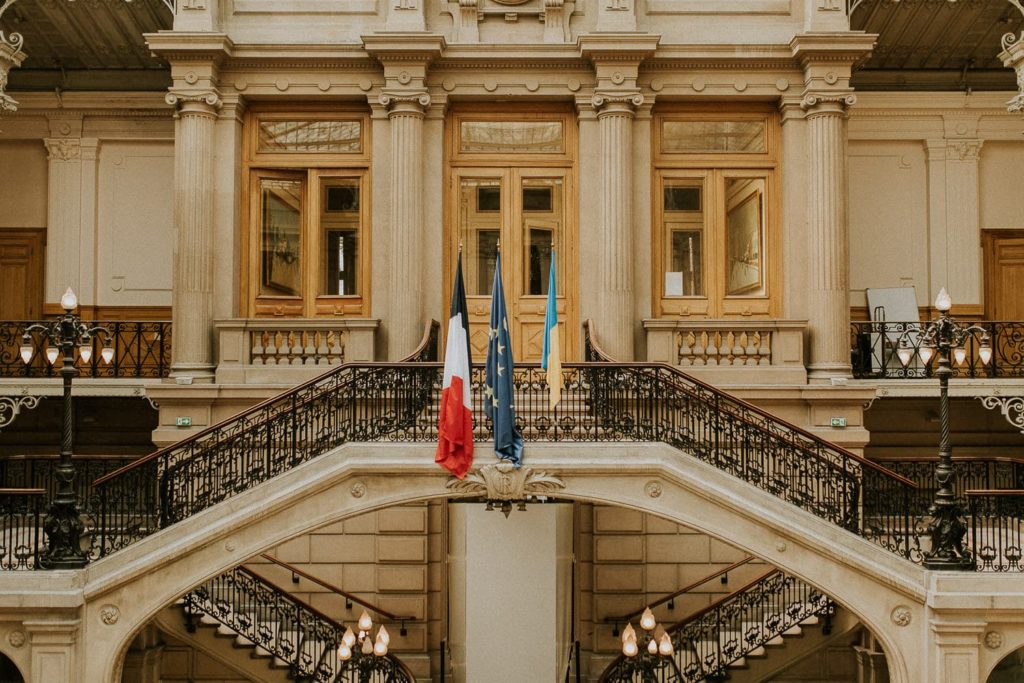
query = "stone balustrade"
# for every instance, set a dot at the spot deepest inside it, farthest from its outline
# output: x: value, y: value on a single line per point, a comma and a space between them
x: 289, y: 350
x: 731, y: 351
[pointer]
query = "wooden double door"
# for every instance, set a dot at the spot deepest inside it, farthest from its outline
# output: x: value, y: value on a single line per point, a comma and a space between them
x: 529, y: 213
x: 1004, y: 274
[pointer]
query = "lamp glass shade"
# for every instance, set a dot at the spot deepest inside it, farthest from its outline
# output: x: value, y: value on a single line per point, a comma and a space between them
x: 985, y: 352
x: 26, y: 353
x: 942, y: 301
x: 365, y: 623
x: 630, y: 649
x: 380, y: 648
x: 349, y: 638
x: 926, y: 353
x: 69, y: 301
x: 107, y: 354
x: 628, y: 633
x: 51, y: 354
x: 344, y: 652
x: 905, y: 353
x: 384, y: 636
x: 367, y: 646
x: 647, y: 621
x: 665, y: 646
x: 85, y: 351
x: 959, y: 355
x: 652, y: 647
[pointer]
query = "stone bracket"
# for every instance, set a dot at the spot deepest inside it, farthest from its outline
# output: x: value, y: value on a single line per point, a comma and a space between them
x: 503, y: 482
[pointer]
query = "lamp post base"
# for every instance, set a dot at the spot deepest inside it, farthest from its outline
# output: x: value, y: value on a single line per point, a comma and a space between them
x: 63, y: 528
x: 947, y: 530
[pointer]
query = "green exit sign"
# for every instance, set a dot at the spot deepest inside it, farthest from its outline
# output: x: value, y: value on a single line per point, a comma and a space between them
x: 187, y: 421
x: 838, y: 421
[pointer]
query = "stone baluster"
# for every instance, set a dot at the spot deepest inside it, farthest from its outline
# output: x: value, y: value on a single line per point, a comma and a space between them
x: 194, y: 251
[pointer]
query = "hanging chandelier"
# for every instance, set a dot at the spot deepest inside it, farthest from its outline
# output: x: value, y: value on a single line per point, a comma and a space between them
x: 653, y: 639
x: 360, y: 643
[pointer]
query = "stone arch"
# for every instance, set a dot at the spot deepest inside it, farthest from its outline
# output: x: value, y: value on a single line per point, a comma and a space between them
x: 10, y: 672
x: 359, y: 478
x: 1010, y: 655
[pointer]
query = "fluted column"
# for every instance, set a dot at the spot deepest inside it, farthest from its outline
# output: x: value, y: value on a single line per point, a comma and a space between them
x: 405, y: 114
x: 192, y: 302
x: 828, y: 281
x: 615, y: 296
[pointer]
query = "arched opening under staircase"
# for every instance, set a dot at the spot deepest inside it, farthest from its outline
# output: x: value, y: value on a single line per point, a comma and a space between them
x: 1010, y: 669
x: 611, y: 529
x: 9, y: 672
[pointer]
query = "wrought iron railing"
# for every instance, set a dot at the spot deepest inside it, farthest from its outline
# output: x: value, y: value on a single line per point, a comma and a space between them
x: 997, y: 529
x: 968, y: 473
x: 142, y: 349
x: 874, y: 346
x: 707, y: 642
x: 288, y: 629
x: 21, y: 527
x: 36, y: 473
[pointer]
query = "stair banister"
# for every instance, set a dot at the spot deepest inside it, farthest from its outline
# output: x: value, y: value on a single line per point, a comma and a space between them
x: 345, y: 594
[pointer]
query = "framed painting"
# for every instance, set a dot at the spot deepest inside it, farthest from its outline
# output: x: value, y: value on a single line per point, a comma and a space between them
x: 744, y: 228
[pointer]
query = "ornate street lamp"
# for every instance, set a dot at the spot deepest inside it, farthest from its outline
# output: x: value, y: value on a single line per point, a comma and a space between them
x: 362, y: 653
x: 946, y: 336
x: 62, y: 525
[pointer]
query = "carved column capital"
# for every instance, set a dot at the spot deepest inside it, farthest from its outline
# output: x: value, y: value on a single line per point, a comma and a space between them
x: 63, y: 149
x: 606, y: 103
x: 196, y: 102
x: 824, y: 103
x: 963, y: 150
x: 405, y: 102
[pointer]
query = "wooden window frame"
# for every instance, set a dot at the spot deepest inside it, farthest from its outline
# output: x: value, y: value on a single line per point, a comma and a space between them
x: 314, y: 168
x: 715, y: 168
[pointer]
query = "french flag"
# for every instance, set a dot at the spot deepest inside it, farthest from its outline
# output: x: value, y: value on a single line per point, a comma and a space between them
x: 455, y: 426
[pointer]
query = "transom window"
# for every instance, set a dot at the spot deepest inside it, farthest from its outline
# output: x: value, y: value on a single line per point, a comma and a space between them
x: 714, y: 206
x: 308, y: 218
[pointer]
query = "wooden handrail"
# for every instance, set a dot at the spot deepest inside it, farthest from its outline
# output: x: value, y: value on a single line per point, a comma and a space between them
x: 334, y: 589
x: 687, y: 589
x: 995, y: 492
x: 22, y: 492
x: 591, y: 330
x: 725, y: 598
x: 432, y: 327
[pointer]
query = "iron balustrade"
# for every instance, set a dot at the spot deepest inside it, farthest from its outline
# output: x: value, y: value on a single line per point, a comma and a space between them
x: 21, y: 527
x: 874, y: 346
x: 142, y: 349
x: 996, y: 522
x: 708, y: 641
x: 968, y: 473
x: 285, y: 627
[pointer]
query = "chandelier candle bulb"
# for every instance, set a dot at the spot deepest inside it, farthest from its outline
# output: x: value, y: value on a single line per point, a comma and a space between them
x: 652, y: 647
x: 926, y: 353
x: 26, y: 351
x: 647, y: 621
x: 630, y: 649
x: 344, y: 652
x: 51, y: 354
x: 367, y: 646
x: 628, y: 633
x: 69, y: 301
x: 960, y: 355
x: 349, y: 639
x: 665, y: 646
x: 85, y: 351
x: 384, y: 636
x: 365, y: 623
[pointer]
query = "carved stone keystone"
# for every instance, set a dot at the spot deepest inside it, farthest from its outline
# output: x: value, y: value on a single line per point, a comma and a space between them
x: 503, y: 482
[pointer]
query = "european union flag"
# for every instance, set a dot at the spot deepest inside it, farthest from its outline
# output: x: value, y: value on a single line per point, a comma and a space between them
x: 498, y: 389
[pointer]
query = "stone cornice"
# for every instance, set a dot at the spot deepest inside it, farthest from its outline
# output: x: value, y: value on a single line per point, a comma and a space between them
x: 850, y: 47
x: 630, y: 47
x: 404, y: 47
x: 177, y: 46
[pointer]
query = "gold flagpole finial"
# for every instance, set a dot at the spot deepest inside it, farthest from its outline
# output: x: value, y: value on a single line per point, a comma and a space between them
x: 460, y: 246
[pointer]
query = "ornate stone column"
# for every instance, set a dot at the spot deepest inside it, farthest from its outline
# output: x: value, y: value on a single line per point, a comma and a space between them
x: 616, y: 59
x: 405, y: 58
x: 615, y: 113
x: 192, y: 300
x: 828, y: 61
x: 829, y: 240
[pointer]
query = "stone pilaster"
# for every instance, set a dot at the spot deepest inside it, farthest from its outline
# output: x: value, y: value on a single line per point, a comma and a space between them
x: 954, y: 214
x: 405, y: 58
x: 194, y: 254
x: 53, y: 650
x: 70, y: 213
x: 828, y: 60
x: 956, y: 646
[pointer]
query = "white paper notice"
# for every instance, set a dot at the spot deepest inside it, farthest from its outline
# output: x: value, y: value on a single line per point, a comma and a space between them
x: 674, y: 283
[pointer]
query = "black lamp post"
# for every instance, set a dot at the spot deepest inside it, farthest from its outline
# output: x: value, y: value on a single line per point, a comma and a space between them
x: 63, y: 525
x: 947, y: 528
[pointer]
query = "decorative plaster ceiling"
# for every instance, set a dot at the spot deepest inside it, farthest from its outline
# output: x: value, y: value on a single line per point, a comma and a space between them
x: 88, y: 44
x: 936, y: 44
